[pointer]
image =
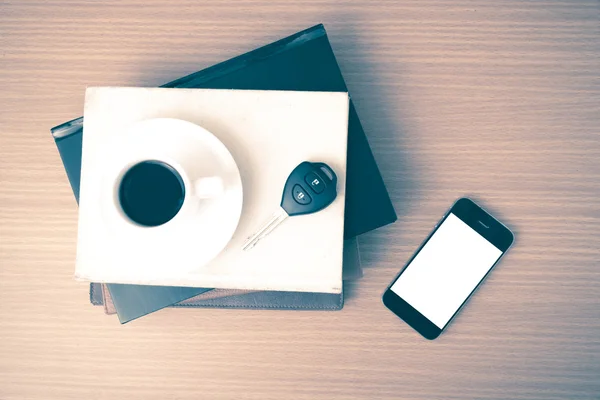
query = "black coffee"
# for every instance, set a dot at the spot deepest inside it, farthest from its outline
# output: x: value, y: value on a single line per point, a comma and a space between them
x: 151, y: 193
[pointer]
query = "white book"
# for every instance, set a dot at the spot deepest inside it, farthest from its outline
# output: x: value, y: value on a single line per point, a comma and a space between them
x: 267, y: 133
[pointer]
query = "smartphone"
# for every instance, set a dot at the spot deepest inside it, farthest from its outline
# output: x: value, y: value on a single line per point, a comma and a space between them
x: 448, y: 267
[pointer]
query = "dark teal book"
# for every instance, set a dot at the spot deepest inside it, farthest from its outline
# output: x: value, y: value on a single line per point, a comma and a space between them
x: 304, y: 61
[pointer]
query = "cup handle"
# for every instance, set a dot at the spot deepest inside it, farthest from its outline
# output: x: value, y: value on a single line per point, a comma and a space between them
x: 208, y: 187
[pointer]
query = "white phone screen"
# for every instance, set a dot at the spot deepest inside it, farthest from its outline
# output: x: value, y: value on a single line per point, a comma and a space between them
x: 446, y: 270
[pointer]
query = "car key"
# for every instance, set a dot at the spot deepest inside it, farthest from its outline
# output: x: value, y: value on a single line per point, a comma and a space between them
x: 310, y: 188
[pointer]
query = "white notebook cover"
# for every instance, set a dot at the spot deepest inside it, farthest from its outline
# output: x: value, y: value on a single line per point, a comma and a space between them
x: 268, y: 133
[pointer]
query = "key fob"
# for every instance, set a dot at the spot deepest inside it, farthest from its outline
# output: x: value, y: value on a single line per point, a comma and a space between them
x: 310, y: 188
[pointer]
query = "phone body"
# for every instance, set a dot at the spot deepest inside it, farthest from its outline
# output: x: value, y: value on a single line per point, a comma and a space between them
x: 447, y: 268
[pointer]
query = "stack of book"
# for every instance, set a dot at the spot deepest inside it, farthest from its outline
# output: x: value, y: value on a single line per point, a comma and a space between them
x: 303, y: 62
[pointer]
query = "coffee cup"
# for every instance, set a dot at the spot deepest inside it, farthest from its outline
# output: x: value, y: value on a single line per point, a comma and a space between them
x: 152, y: 192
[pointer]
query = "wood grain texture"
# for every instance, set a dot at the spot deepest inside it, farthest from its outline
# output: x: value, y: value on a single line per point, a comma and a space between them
x: 496, y: 100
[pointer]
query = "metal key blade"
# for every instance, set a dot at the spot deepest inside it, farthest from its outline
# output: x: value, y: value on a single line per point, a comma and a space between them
x: 277, y: 218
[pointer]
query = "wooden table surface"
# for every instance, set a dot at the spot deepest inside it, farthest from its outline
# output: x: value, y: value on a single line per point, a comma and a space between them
x: 496, y: 100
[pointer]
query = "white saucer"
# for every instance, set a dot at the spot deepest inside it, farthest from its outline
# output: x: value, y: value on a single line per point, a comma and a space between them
x: 203, y: 227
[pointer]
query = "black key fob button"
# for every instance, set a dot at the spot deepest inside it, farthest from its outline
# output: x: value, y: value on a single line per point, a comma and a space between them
x: 314, y: 182
x: 300, y: 195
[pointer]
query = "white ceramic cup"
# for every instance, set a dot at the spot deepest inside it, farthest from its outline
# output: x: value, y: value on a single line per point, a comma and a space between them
x: 197, y: 190
x: 168, y: 141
